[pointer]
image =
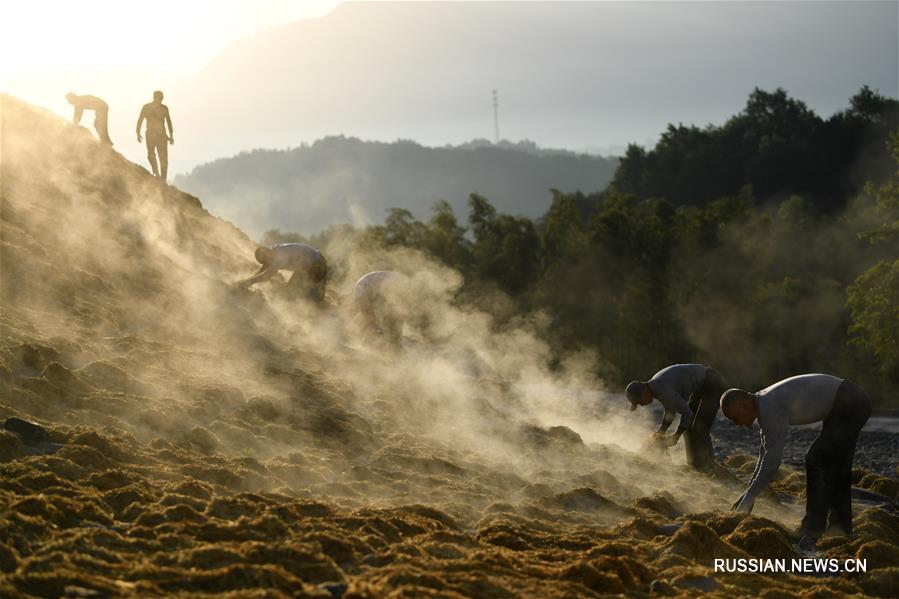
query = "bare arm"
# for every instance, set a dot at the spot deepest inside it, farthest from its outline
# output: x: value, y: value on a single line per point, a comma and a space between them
x: 168, y: 122
x: 755, y: 473
x: 76, y: 118
x: 673, y: 402
x: 686, y: 416
x: 770, y: 456
x: 263, y: 274
x: 667, y: 419
x: 140, y: 121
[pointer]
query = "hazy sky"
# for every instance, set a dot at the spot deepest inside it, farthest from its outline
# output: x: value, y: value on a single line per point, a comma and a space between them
x: 568, y: 76
x: 177, y: 37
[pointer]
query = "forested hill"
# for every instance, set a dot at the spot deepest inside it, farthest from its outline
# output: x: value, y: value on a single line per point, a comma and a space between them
x: 776, y: 145
x: 340, y: 179
x: 784, y: 275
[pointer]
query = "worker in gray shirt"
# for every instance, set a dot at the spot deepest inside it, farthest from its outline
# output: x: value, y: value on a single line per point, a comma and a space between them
x: 693, y: 391
x: 844, y: 409
x: 310, y: 269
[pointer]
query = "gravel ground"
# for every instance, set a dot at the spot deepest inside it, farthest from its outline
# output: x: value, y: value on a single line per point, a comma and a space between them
x: 877, y: 450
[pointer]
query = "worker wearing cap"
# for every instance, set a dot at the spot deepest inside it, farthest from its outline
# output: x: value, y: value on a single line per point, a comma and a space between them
x: 691, y: 390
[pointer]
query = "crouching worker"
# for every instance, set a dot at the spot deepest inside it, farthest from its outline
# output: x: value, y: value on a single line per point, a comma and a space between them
x: 310, y: 270
x: 844, y: 409
x: 100, y: 109
x: 377, y: 301
x: 693, y: 391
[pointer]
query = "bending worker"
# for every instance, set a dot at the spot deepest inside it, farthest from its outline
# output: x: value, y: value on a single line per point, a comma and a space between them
x: 157, y: 116
x: 691, y: 390
x: 310, y: 270
x: 844, y: 409
x: 101, y: 113
x: 376, y: 298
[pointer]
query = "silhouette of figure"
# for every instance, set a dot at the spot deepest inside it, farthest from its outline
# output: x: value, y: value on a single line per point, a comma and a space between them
x: 691, y: 390
x: 842, y: 407
x: 379, y: 298
x: 310, y: 269
x: 157, y: 115
x: 101, y: 113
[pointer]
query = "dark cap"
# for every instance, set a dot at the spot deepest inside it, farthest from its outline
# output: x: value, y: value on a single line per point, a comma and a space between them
x: 633, y: 392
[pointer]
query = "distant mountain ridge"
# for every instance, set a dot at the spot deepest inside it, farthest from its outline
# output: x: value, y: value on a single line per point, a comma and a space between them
x: 528, y: 146
x: 577, y: 75
x: 344, y: 179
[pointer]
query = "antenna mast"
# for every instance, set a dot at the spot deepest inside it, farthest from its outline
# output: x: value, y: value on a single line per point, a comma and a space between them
x: 495, y: 118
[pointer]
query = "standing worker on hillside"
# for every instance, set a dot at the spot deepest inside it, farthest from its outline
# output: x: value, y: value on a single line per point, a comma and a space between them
x: 310, y: 270
x: 157, y: 115
x: 844, y: 409
x: 693, y: 391
x: 101, y: 113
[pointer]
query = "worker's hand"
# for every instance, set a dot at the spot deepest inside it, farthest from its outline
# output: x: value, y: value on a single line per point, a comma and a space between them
x: 139, y: 138
x: 660, y: 440
x: 651, y: 443
x: 172, y: 140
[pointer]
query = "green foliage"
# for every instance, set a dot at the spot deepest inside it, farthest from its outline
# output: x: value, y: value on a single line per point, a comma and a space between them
x: 874, y: 298
x: 872, y: 107
x: 874, y: 302
x: 886, y: 198
x: 635, y: 230
x: 761, y: 289
x: 563, y: 234
x: 505, y: 248
x: 758, y: 291
x: 401, y: 228
x: 775, y: 145
x: 445, y: 239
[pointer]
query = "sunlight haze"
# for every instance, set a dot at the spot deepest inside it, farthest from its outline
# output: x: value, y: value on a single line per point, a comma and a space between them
x: 271, y: 74
x: 463, y: 299
x: 93, y: 36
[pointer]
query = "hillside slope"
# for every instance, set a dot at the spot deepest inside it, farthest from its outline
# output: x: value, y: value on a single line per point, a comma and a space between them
x: 201, y: 439
x: 338, y: 180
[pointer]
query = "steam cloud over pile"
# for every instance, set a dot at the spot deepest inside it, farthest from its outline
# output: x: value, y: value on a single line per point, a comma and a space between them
x: 213, y: 439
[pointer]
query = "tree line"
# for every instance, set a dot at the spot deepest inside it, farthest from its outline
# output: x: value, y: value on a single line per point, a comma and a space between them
x: 745, y: 246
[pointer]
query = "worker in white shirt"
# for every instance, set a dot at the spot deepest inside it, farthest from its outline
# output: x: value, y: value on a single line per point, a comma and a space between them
x: 842, y: 407
x: 377, y: 300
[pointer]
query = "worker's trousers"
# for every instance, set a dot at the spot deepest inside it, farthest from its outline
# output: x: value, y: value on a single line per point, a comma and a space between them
x: 158, y: 145
x: 704, y: 403
x: 309, y: 284
x: 828, y: 463
x: 101, y: 125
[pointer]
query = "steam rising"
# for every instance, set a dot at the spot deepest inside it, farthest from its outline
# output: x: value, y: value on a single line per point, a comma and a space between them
x: 127, y: 284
